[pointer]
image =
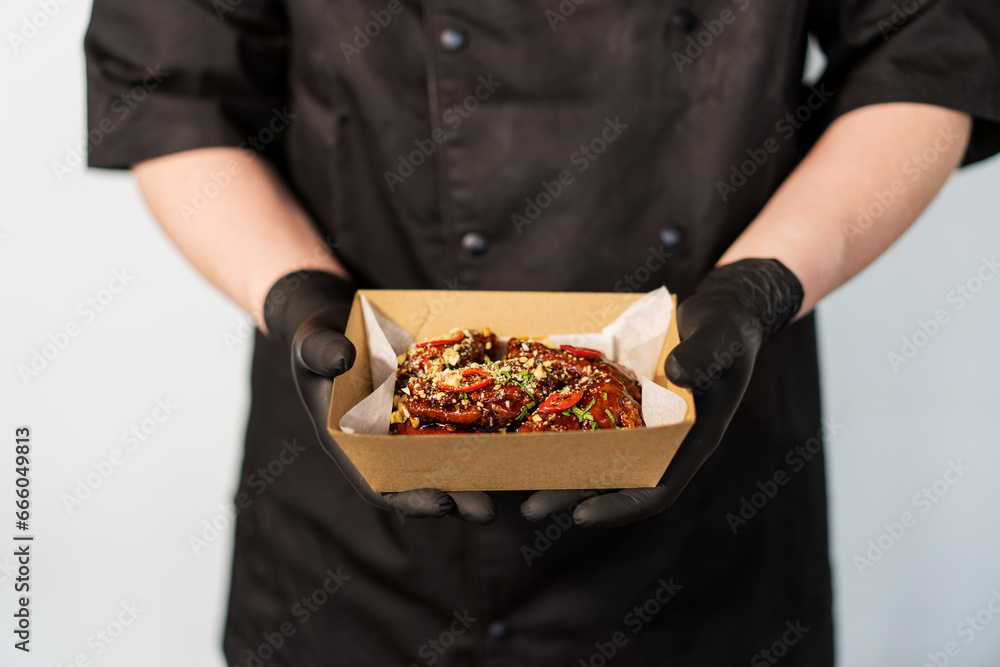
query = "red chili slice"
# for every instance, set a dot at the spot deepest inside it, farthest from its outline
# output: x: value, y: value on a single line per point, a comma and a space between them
x: 561, y: 401
x: 443, y: 341
x: 584, y: 352
x: 469, y: 379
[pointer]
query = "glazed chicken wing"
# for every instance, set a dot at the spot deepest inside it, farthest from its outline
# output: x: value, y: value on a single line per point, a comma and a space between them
x: 488, y: 397
x: 449, y: 385
x: 407, y: 428
x: 595, y: 401
x: 572, y: 362
x: 458, y: 348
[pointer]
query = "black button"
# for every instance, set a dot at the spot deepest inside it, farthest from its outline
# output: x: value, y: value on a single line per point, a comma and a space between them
x: 684, y: 21
x: 672, y: 236
x: 454, y: 39
x: 475, y: 243
x: 498, y: 631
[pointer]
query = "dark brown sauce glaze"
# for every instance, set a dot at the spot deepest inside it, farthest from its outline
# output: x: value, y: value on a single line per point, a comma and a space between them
x: 474, y: 347
x: 605, y: 404
x: 507, y: 394
x: 572, y: 364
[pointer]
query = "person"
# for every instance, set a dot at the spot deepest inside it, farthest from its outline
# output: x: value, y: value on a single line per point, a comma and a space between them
x: 296, y: 150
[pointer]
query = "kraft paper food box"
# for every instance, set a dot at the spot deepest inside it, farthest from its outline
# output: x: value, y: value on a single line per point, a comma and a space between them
x: 601, y: 459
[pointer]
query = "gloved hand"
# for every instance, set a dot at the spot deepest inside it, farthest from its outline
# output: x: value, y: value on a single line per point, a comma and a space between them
x: 307, y: 311
x: 722, y: 326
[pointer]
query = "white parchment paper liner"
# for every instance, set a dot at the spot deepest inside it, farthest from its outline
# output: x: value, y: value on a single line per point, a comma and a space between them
x: 634, y: 340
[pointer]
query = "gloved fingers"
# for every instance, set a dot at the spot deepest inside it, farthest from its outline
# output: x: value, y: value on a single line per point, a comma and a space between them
x: 325, y: 352
x: 418, y: 503
x: 474, y: 506
x: 715, y: 410
x: 701, y: 442
x: 622, y: 507
x: 697, y: 361
x: 316, y: 392
x: 542, y: 504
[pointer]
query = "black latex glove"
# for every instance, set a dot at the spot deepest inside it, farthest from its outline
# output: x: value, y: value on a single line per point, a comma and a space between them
x: 722, y: 326
x: 308, y: 311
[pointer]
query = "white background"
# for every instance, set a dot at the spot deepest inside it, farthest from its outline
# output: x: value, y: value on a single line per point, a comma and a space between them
x: 164, y: 337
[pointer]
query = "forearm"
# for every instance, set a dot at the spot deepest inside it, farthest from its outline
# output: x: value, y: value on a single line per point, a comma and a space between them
x: 832, y: 217
x: 246, y: 236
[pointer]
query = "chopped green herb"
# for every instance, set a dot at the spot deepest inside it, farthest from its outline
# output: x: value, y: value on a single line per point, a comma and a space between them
x: 526, y: 410
x: 612, y: 418
x: 584, y: 414
x: 519, y: 378
x: 605, y: 396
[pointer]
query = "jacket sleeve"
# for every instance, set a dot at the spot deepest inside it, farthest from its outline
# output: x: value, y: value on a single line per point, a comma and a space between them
x: 940, y: 52
x: 164, y: 77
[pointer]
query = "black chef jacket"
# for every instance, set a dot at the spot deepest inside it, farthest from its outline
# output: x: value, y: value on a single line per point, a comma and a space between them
x: 544, y: 145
